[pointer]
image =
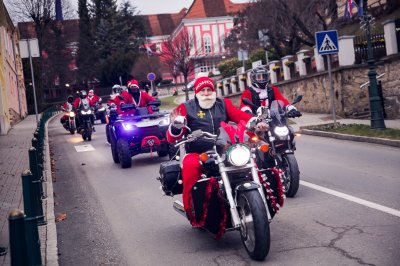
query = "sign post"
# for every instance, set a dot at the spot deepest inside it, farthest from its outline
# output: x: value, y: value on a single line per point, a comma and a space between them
x: 327, y: 44
x: 151, y: 77
x: 30, y: 48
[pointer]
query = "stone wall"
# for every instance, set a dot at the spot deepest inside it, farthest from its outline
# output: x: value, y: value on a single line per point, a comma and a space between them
x: 350, y: 99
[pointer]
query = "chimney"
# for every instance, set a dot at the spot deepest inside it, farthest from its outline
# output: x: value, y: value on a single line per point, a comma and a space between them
x: 59, y: 15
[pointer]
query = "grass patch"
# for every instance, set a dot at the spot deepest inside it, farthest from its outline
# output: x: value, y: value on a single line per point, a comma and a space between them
x: 359, y: 130
x: 167, y: 103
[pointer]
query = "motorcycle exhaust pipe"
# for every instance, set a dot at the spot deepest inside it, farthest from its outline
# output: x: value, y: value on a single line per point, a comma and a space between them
x: 178, y: 207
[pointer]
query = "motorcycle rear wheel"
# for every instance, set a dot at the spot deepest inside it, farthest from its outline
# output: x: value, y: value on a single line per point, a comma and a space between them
x: 292, y: 175
x: 124, y: 154
x: 254, y: 228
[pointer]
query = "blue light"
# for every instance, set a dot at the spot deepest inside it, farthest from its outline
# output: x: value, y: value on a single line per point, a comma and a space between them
x: 128, y: 126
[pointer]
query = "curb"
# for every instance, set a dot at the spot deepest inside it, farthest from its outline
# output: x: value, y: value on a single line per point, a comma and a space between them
x: 388, y: 142
x: 50, y: 241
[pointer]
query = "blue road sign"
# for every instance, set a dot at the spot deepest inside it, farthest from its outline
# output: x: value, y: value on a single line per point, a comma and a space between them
x: 151, y: 76
x: 327, y: 42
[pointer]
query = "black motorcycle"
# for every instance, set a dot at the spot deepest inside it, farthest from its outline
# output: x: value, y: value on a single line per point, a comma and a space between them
x: 69, y: 119
x: 86, y: 117
x: 282, y: 144
x: 231, y: 194
x: 100, y: 112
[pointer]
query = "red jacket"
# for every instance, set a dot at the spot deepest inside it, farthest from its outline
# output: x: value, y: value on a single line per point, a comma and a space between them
x: 93, y: 100
x: 277, y: 95
x: 231, y: 114
x: 144, y: 99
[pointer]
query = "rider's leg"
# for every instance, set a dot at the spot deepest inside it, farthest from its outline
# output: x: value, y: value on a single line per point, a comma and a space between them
x: 191, y: 172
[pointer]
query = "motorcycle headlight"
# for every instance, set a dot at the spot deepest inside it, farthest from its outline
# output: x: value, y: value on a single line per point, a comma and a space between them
x: 164, y: 122
x: 89, y: 112
x: 102, y: 109
x: 281, y: 131
x: 128, y: 126
x: 238, y: 154
x: 71, y: 114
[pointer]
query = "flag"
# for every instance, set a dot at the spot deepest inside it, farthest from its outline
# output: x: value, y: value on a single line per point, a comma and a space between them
x: 350, y: 4
x: 361, y: 8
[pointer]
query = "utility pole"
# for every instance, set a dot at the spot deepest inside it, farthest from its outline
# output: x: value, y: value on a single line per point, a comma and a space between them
x: 377, y: 119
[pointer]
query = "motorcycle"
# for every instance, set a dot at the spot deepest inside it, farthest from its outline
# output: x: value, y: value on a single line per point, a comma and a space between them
x: 141, y: 132
x: 100, y: 112
x: 231, y: 194
x: 281, y: 140
x: 85, y: 116
x: 69, y: 123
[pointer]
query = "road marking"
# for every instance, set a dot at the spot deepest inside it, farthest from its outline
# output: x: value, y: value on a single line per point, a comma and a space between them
x: 83, y: 148
x: 351, y: 198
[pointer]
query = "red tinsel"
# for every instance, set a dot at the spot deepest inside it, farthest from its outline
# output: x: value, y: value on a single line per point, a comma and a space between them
x: 212, y: 185
x: 267, y: 188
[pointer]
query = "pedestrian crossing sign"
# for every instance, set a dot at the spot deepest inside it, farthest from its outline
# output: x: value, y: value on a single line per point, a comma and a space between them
x: 327, y: 42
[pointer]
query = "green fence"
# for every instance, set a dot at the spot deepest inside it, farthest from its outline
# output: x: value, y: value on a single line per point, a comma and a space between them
x: 23, y: 225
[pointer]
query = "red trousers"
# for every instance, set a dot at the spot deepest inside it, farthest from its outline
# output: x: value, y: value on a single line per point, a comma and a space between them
x: 191, y: 172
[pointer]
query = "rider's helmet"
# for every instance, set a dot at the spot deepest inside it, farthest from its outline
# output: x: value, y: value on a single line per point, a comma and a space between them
x: 259, y: 77
x: 83, y: 94
x: 91, y: 93
x: 116, y: 89
x: 70, y: 98
x: 133, y: 86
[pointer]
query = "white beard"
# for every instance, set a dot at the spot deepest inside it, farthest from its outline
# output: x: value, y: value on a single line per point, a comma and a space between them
x: 206, y: 102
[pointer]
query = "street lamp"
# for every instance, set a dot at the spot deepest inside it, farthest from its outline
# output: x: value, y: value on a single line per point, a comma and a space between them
x: 377, y: 121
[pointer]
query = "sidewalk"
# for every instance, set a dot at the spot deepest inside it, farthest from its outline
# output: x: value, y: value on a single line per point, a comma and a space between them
x: 13, y: 161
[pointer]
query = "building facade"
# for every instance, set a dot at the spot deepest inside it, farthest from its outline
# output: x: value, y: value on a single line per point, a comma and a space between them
x: 13, y: 105
x: 208, y: 23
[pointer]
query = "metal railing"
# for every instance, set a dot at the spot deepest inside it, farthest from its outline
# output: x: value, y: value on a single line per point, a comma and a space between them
x: 23, y: 225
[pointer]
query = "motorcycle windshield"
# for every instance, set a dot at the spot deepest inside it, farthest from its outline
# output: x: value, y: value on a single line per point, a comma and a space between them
x: 230, y: 134
x: 278, y: 114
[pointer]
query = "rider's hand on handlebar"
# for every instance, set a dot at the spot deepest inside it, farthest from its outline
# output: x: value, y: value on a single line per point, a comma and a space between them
x: 292, y: 111
x: 262, y: 126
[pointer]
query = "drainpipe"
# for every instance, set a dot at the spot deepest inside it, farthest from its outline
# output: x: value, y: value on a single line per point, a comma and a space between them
x: 17, y: 78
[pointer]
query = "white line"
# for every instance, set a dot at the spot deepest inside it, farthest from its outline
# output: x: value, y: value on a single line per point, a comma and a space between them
x: 351, y: 198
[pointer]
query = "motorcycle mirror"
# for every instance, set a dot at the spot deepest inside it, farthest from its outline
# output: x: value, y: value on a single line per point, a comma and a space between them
x: 154, y: 94
x: 297, y: 99
x: 248, y: 102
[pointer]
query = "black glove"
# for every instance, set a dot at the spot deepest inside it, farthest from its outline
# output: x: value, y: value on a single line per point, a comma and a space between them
x: 294, y: 113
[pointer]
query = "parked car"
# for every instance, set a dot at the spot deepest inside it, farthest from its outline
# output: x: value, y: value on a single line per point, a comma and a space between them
x: 189, y: 86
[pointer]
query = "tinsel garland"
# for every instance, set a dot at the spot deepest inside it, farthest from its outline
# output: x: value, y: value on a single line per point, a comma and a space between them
x: 277, y: 173
x: 212, y: 185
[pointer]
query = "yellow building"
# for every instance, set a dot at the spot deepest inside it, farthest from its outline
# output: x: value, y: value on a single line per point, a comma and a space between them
x: 13, y: 105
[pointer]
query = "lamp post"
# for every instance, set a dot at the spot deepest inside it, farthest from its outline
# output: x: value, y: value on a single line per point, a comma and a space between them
x: 377, y: 121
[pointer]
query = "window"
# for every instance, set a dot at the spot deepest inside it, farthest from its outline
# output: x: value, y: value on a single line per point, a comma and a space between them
x: 207, y: 43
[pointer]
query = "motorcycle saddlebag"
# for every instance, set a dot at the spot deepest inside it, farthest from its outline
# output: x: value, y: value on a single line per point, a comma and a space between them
x: 170, y: 174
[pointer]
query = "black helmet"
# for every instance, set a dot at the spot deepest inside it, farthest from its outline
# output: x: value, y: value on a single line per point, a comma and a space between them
x: 83, y: 94
x: 70, y: 98
x: 259, y: 77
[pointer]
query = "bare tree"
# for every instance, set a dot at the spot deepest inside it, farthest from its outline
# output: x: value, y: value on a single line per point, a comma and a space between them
x: 290, y: 23
x: 144, y: 65
x: 177, y: 56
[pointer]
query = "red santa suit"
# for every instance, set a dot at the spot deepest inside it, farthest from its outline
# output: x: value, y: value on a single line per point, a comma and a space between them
x: 206, y: 119
x: 261, y: 97
x: 144, y: 99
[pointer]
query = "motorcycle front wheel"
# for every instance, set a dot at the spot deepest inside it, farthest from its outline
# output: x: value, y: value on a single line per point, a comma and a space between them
x: 114, y: 149
x: 254, y: 227
x: 292, y: 175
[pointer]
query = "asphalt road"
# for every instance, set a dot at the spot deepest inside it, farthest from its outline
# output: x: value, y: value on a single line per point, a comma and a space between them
x: 118, y: 216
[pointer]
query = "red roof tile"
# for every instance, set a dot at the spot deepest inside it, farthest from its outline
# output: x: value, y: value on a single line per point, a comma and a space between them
x: 162, y: 24
x: 213, y: 8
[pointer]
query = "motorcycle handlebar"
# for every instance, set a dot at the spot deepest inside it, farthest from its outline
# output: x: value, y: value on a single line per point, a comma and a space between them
x: 194, y: 136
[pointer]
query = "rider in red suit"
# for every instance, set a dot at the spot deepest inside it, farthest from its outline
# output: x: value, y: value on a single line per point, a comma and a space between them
x: 260, y: 93
x: 93, y: 98
x: 133, y: 96
x: 205, y: 112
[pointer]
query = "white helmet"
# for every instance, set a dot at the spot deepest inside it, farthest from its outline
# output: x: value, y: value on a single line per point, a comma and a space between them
x: 116, y: 88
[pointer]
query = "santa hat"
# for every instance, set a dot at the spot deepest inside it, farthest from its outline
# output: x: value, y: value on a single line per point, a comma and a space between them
x: 133, y: 82
x: 203, y: 82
